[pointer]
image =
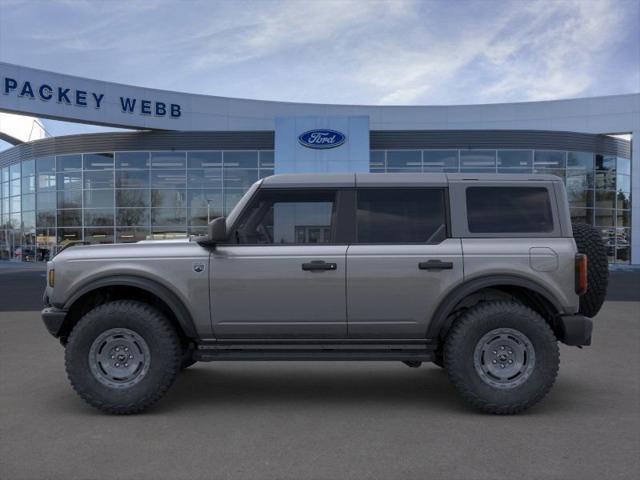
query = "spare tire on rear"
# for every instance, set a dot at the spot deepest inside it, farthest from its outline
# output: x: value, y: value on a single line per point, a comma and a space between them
x: 589, y: 242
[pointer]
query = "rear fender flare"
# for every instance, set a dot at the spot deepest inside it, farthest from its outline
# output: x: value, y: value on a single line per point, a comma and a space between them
x: 440, y: 321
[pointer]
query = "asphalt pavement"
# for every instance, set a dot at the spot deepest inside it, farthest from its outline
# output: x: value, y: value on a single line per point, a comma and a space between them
x: 318, y: 420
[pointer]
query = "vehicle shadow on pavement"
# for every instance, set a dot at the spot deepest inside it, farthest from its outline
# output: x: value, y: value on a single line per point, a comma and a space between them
x: 278, y: 384
x: 216, y: 385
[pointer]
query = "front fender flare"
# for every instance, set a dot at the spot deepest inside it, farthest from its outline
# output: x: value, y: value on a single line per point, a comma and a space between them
x: 177, y: 307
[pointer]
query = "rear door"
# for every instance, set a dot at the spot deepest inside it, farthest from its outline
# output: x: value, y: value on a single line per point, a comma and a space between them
x: 401, y: 262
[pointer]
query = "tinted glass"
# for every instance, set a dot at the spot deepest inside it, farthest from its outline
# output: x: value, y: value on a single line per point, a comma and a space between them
x: 28, y: 167
x: 168, y: 179
x: 168, y: 159
x: 28, y: 184
x: 204, y: 159
x: 98, y: 179
x: 266, y: 159
x: 440, y: 160
x: 401, y: 216
x: 69, y: 218
x: 580, y: 160
x: 132, y: 160
x: 169, y: 217
x: 69, y: 162
x: 513, y: 161
x: 405, y: 159
x: 509, y: 210
x: 477, y: 161
x: 239, y: 178
x: 127, y: 235
x: 132, y: 179
x: 98, y: 161
x: 550, y: 159
x: 98, y: 235
x: 14, y: 171
x: 98, y: 199
x: 132, y: 216
x: 288, y: 217
x: 46, y: 201
x: 624, y: 166
x: 132, y: 198
x: 376, y: 159
x: 69, y: 180
x: 70, y: 199
x: 45, y: 165
x: 98, y: 217
x: 205, y: 178
x: 168, y: 198
x: 29, y: 202
x: 241, y: 159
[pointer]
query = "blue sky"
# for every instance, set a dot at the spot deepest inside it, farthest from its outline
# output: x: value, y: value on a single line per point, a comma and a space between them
x: 361, y: 52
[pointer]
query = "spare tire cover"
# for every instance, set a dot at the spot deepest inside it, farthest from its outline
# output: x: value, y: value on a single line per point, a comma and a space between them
x: 589, y: 242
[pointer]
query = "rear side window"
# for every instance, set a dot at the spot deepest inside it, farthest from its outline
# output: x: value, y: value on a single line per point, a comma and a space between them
x: 509, y: 210
x: 401, y: 215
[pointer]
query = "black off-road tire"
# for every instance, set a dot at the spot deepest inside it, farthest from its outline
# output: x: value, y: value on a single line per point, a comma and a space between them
x: 161, y: 343
x: 589, y: 242
x: 461, y: 348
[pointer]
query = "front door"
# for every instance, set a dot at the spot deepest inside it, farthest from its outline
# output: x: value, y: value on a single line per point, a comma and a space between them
x: 283, y: 274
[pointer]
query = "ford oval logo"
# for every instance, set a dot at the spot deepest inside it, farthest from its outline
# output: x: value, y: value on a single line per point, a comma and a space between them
x: 322, y: 138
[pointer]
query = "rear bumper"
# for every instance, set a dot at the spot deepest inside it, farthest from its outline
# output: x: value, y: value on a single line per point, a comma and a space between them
x: 53, y: 319
x: 575, y: 330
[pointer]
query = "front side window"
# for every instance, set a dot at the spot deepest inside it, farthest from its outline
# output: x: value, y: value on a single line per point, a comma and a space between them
x: 509, y: 210
x: 401, y: 215
x: 288, y: 217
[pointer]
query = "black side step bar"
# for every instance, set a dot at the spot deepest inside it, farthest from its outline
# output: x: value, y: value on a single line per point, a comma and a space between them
x: 340, y: 355
x: 227, y: 354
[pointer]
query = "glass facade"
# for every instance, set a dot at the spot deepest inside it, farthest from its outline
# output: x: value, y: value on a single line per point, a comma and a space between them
x: 598, y: 186
x: 107, y: 197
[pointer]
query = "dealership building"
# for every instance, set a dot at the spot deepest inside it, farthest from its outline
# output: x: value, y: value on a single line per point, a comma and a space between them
x: 189, y: 158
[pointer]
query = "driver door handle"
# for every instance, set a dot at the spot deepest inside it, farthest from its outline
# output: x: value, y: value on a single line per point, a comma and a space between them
x: 318, y: 265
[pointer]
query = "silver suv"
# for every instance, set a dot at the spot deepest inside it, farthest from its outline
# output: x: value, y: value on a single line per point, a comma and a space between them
x: 480, y: 274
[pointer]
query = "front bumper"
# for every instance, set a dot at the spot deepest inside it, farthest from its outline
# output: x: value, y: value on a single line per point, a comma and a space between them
x: 53, y: 319
x: 575, y: 330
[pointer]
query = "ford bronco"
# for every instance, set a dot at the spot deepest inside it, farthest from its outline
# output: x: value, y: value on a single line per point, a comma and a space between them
x: 482, y: 274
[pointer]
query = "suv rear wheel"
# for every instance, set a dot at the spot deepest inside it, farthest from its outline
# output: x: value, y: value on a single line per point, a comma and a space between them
x: 502, y: 357
x: 122, y: 356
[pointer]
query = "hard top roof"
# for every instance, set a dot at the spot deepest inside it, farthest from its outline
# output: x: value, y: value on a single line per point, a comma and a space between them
x: 318, y: 180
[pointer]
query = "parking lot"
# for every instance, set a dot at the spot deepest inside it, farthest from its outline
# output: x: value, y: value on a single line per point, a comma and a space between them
x: 318, y: 420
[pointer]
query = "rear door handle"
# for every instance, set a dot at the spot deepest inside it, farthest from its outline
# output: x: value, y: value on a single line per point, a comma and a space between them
x: 318, y: 265
x: 435, y: 265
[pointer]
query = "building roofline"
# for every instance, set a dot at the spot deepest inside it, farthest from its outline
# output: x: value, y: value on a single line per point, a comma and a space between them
x: 265, y: 140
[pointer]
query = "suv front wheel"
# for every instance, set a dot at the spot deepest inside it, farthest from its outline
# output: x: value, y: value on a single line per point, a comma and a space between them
x: 502, y: 357
x: 122, y: 356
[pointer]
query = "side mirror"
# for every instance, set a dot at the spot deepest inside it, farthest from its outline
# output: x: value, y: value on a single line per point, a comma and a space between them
x: 218, y: 230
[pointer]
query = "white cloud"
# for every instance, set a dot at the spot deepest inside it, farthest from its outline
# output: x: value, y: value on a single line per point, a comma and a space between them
x: 552, y: 55
x: 386, y: 52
